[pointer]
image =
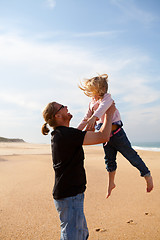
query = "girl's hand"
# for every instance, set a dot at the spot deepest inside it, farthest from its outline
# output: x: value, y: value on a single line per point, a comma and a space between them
x: 91, y: 123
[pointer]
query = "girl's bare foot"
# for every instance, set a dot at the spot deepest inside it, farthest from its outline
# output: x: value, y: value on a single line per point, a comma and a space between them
x: 149, y: 182
x: 110, y: 188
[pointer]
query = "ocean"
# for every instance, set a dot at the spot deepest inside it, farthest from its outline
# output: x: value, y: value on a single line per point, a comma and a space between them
x: 148, y: 146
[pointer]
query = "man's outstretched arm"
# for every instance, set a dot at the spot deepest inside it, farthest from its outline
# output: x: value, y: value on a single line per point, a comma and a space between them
x: 103, y: 135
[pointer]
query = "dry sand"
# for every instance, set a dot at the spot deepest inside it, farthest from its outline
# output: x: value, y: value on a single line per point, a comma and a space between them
x: 27, y: 210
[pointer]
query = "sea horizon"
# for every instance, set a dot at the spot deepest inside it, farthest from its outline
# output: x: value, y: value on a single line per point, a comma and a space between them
x: 147, y: 146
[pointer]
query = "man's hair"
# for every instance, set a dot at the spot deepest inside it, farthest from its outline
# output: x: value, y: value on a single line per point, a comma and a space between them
x: 48, y: 115
x: 95, y: 86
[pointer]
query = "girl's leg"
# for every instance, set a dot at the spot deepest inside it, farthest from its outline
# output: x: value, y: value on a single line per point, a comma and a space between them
x: 149, y: 182
x: 123, y: 145
x: 111, y: 165
x: 111, y: 184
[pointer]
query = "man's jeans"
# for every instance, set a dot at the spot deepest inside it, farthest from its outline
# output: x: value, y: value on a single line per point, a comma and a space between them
x: 73, y: 222
x: 119, y: 142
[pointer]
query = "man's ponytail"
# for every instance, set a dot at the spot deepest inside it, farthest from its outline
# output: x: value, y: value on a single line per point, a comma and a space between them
x: 45, y: 130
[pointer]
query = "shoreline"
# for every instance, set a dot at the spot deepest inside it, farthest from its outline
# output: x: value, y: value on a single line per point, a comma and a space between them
x: 15, y: 148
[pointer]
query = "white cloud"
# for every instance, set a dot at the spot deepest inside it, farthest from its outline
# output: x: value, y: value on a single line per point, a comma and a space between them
x: 136, y: 91
x: 144, y: 116
x: 51, y: 3
x: 22, y: 100
x: 98, y: 34
x: 35, y: 73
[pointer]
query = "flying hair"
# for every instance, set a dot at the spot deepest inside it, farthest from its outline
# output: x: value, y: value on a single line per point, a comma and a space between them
x: 95, y: 86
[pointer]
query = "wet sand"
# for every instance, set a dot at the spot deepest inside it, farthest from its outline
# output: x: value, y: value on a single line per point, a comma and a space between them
x: 27, y: 210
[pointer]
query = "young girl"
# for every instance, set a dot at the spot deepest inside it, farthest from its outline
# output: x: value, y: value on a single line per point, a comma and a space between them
x: 97, y: 88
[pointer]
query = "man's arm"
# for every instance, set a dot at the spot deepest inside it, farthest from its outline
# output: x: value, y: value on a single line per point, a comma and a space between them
x: 103, y: 135
x: 105, y: 103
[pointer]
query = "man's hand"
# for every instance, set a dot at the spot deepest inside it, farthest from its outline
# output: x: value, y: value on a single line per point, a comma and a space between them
x: 103, y: 135
x: 91, y: 123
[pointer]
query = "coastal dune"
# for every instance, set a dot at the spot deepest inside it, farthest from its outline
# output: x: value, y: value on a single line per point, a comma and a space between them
x: 27, y: 210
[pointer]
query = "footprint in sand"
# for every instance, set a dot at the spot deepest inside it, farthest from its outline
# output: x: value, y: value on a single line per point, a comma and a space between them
x: 148, y: 214
x: 131, y: 222
x: 100, y: 229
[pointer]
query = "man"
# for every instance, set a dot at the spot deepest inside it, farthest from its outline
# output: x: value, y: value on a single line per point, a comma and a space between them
x: 68, y: 164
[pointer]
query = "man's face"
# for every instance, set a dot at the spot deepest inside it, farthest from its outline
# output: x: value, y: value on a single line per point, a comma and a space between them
x: 63, y: 110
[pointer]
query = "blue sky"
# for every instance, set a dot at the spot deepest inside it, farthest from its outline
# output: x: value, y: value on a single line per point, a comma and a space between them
x: 48, y: 46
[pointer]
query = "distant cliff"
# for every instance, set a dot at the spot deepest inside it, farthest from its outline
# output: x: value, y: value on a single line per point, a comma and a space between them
x: 2, y: 139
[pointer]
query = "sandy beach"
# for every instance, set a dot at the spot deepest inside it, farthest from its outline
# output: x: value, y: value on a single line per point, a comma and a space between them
x: 27, y: 210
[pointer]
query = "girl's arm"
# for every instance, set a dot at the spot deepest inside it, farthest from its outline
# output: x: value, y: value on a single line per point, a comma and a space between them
x: 83, y: 123
x: 91, y: 122
x: 105, y: 103
x: 104, y: 133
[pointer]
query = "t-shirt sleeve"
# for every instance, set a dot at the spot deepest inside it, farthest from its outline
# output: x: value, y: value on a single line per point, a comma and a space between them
x: 76, y: 136
x: 67, y: 137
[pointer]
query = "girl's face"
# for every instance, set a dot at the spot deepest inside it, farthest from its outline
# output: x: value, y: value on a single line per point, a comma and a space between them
x: 96, y: 97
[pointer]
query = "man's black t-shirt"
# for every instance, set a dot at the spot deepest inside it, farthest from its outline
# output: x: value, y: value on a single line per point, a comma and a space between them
x: 68, y: 162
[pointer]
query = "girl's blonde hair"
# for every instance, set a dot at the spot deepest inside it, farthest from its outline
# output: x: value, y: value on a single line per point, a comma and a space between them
x: 48, y: 115
x: 95, y: 86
